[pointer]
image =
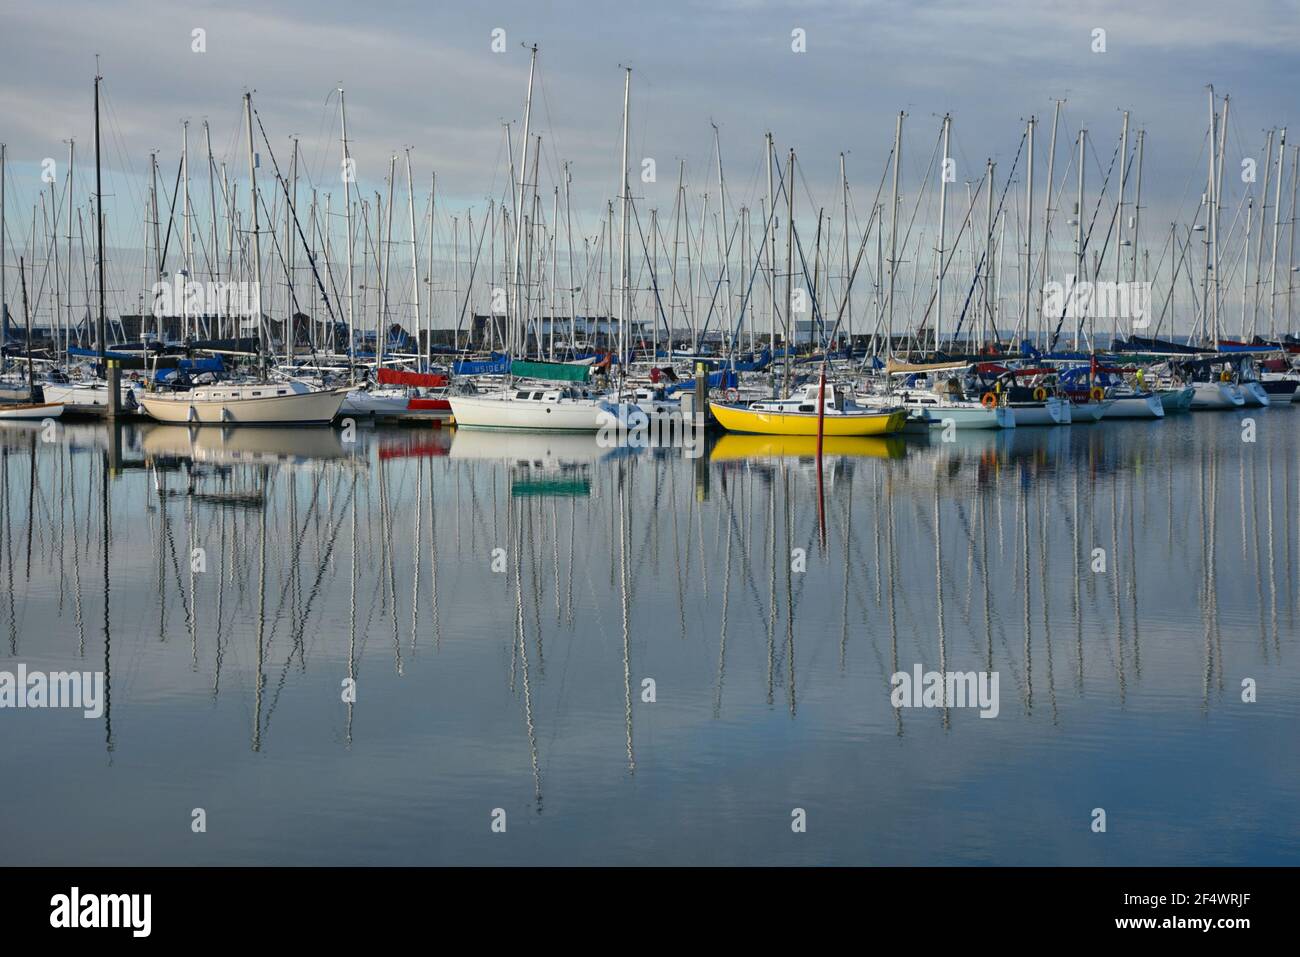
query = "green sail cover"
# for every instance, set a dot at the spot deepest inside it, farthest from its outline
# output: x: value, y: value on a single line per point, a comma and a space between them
x: 555, y: 371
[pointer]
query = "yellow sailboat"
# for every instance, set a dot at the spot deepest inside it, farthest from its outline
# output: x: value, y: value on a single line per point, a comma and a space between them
x: 797, y: 415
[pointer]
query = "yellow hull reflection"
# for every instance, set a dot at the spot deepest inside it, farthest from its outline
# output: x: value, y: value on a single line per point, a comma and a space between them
x: 735, y: 447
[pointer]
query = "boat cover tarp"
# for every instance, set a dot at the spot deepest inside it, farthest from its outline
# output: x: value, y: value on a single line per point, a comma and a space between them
x: 717, y: 380
x: 499, y: 364
x: 894, y: 367
x: 190, y: 367
x: 429, y: 380
x: 553, y: 371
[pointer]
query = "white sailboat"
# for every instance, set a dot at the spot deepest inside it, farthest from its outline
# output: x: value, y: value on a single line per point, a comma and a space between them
x: 247, y: 403
x: 251, y: 403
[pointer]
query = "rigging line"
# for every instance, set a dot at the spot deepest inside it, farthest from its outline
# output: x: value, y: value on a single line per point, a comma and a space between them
x: 984, y: 255
x: 1081, y: 255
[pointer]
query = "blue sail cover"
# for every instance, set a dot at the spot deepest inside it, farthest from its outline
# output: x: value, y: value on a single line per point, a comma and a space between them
x: 191, y: 367
x: 717, y: 380
x: 499, y: 364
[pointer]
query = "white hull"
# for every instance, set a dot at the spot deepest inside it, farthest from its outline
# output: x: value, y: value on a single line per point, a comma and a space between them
x: 1145, y: 406
x: 1254, y: 394
x: 260, y: 404
x: 505, y: 412
x: 1217, y: 395
x: 965, y: 417
x: 927, y: 410
x: 1088, y: 411
x: 1052, y: 411
x: 81, y: 393
x: 363, y: 402
x: 44, y: 410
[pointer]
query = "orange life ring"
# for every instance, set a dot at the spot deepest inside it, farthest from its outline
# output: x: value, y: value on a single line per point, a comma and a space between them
x: 732, y: 395
x: 988, y: 400
x: 1097, y: 393
x: 1040, y: 394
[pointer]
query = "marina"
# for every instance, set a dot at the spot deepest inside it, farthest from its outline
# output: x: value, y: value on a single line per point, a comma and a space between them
x: 430, y: 442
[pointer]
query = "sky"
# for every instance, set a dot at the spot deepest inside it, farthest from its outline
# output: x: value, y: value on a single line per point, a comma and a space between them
x: 425, y: 76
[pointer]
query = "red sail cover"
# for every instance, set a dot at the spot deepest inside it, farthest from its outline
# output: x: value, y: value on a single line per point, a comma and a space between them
x: 397, y: 377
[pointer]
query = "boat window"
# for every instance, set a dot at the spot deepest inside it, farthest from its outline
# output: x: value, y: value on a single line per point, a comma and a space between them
x: 256, y: 393
x: 521, y: 395
x: 807, y: 408
x: 283, y: 392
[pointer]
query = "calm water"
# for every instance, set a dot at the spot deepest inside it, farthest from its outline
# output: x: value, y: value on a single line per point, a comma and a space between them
x: 514, y: 679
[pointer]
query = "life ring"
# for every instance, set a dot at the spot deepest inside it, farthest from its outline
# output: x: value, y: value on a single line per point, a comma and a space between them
x: 1097, y: 393
x: 988, y: 400
x: 1225, y: 376
x: 731, y: 395
x: 1040, y: 394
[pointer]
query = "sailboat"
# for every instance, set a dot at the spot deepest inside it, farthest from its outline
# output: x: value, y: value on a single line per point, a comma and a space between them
x: 798, y: 415
x: 541, y: 403
x: 248, y: 403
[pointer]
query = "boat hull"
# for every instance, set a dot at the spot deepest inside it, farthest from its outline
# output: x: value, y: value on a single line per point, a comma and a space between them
x: 1176, y: 400
x: 1254, y: 394
x: 1050, y: 412
x: 1216, y: 395
x: 998, y: 417
x: 1145, y: 406
x: 757, y: 422
x: 295, y: 408
x: 484, y: 412
x: 29, y: 411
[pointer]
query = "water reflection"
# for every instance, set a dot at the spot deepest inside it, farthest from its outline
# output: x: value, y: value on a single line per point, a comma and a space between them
x: 499, y: 603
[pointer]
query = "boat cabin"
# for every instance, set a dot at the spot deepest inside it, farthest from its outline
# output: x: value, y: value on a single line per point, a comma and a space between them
x: 805, y: 401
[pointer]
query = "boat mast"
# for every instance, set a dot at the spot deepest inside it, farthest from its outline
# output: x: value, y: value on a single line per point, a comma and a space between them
x: 415, y: 268
x: 212, y: 213
x: 1119, y: 213
x: 893, y: 232
x: 624, y: 302
x: 1290, y: 249
x: 1047, y: 215
x: 1080, y: 261
x: 770, y: 242
x: 348, y: 176
x: 387, y: 258
x: 99, y: 236
x: 1259, y: 247
x: 568, y: 231
x: 519, y: 200
x: 1277, y: 225
x: 943, y: 231
x: 1137, y: 211
x: 848, y: 290
x: 789, y: 273
x: 67, y: 325
x: 1029, y: 227
x: 257, y: 240
x: 1218, y: 209
x: 726, y: 257
x: 555, y: 258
